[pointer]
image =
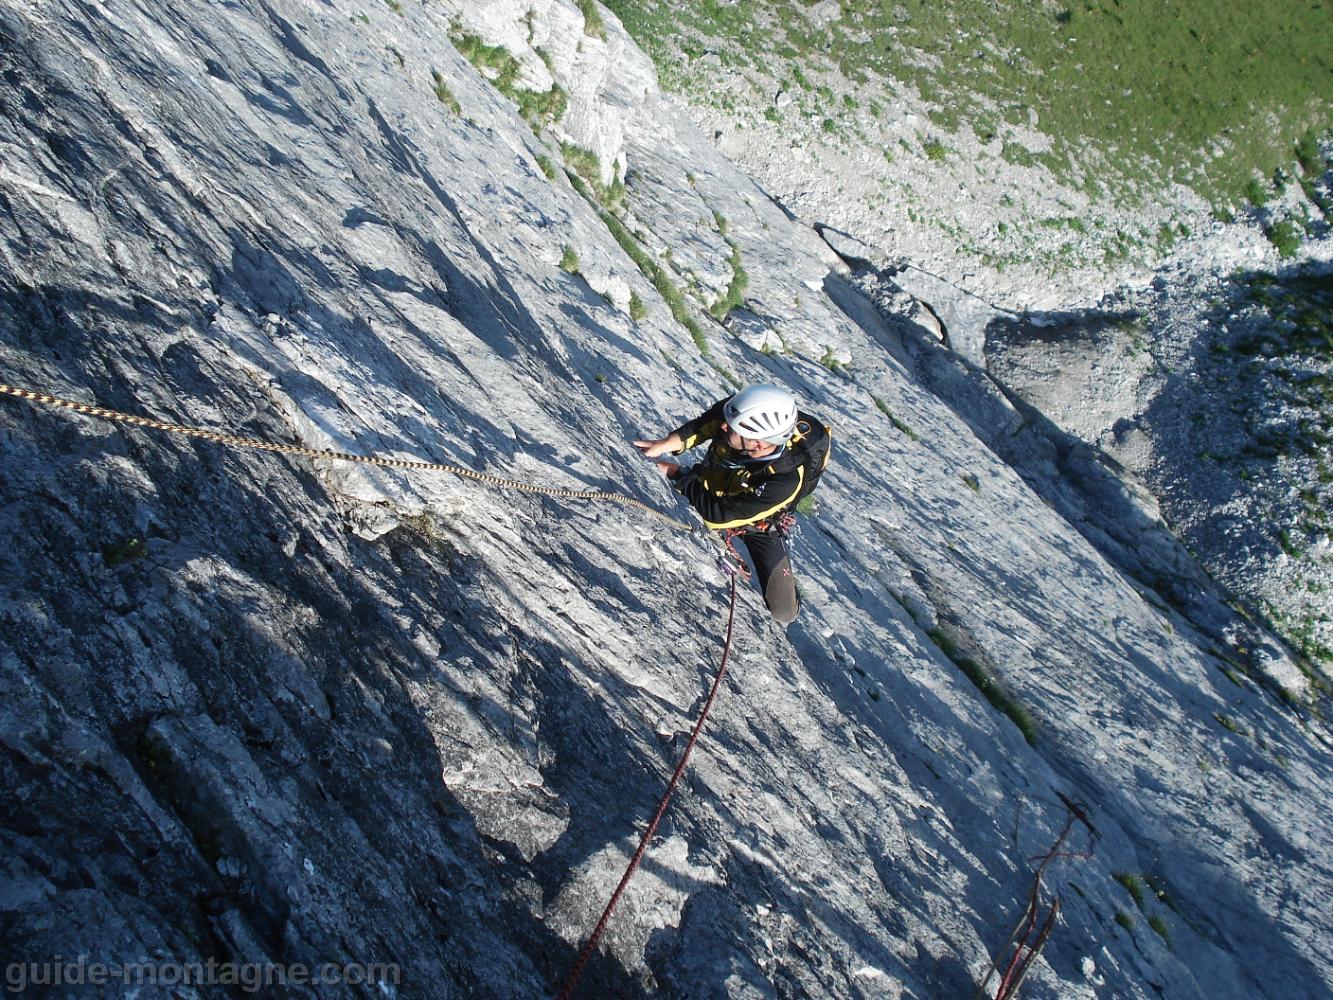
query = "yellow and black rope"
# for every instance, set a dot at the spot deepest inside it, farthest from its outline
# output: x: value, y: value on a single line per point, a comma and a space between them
x: 234, y: 441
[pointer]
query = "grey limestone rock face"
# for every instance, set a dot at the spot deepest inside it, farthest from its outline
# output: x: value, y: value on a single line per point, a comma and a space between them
x: 1212, y: 393
x: 259, y: 708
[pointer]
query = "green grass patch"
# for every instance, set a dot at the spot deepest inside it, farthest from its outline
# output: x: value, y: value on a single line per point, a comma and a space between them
x: 538, y: 108
x: 1256, y: 192
x: 1286, y: 236
x: 569, y: 260
x: 740, y: 281
x: 1133, y: 885
x: 1166, y: 237
x: 997, y: 696
x: 118, y: 553
x: 495, y: 61
x: 898, y: 425
x: 588, y: 166
x: 1193, y: 92
x: 1124, y: 920
x: 1308, y: 156
x: 1018, y: 154
x: 1287, y: 545
x: 637, y: 310
x: 1158, y: 924
x: 593, y: 25
x: 444, y: 95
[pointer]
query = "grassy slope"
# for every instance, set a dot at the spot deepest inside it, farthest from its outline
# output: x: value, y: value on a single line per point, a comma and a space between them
x: 1132, y: 92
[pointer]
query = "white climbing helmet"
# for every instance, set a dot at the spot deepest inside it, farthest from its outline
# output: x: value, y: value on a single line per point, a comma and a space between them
x: 762, y: 412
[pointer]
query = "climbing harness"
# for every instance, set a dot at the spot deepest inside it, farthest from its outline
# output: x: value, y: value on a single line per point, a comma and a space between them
x: 233, y: 441
x: 596, y: 935
x: 1032, y: 931
x: 731, y: 563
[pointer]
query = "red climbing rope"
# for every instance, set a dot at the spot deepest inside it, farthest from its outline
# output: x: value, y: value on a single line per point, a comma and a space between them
x: 1028, y: 939
x: 588, y: 948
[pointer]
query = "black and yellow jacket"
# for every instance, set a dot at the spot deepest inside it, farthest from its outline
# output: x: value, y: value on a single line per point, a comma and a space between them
x: 730, y: 492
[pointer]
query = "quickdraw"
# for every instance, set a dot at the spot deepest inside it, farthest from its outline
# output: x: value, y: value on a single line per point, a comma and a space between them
x: 729, y: 560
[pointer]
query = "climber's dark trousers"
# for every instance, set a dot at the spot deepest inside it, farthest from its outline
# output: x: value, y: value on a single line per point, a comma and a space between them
x: 772, y: 568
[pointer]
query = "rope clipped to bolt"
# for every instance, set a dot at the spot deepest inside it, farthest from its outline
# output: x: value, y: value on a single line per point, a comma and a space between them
x: 596, y: 935
x: 254, y: 444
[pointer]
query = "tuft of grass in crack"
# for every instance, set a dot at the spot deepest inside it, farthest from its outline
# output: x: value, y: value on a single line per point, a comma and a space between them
x: 444, y: 95
x: 569, y: 260
x: 1133, y: 884
x: 740, y: 281
x: 976, y: 673
x: 901, y: 427
x: 118, y: 553
x: 1158, y: 924
x: 1230, y: 724
x: 593, y: 25
x: 654, y: 272
x: 1158, y: 886
x: 1124, y: 920
x: 548, y: 168
x: 542, y: 107
x: 588, y: 166
x: 497, y: 64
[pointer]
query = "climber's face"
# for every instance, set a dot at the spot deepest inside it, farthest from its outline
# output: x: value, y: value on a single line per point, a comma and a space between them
x: 747, y: 446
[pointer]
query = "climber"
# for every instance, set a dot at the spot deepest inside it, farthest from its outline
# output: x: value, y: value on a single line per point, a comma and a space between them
x: 764, y: 456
